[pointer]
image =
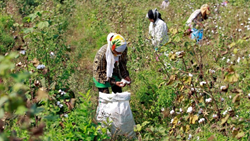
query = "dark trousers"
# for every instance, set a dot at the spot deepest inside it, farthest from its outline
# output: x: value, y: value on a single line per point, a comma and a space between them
x: 115, y: 89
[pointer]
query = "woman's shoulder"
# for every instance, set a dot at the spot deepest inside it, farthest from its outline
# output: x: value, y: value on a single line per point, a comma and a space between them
x: 101, y: 51
x: 161, y: 23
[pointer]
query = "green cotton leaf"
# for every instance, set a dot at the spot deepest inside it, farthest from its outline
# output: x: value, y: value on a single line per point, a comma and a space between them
x: 43, y: 25
x: 20, y: 77
x: 145, y: 123
x: 28, y: 30
x: 32, y: 17
x: 240, y: 41
x: 51, y: 117
x: 21, y: 110
x: 3, y: 99
x: 138, y: 128
x: 235, y: 51
x: 177, y: 39
x: 1, y: 113
x: 232, y: 45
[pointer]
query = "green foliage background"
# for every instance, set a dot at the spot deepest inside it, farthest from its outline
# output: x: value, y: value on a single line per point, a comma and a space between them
x: 74, y: 30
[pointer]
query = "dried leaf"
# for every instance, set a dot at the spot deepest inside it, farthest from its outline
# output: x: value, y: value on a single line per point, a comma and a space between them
x: 175, y: 121
x: 172, y: 79
x: 224, y: 89
x: 181, y: 55
x: 38, y: 131
x: 211, y: 138
x: 235, y: 90
x: 224, y: 120
x: 235, y: 132
x: 236, y: 98
x: 232, y: 78
x: 42, y: 94
x: 35, y: 62
x: 193, y: 119
x: 240, y: 135
x: 187, y: 128
x: 224, y: 52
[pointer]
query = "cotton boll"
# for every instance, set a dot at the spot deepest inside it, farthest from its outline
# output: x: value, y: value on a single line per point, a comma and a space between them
x: 209, y: 100
x: 66, y: 115
x: 172, y: 120
x: 222, y: 99
x: 162, y: 109
x: 58, y: 103
x: 203, y: 83
x: 23, y: 52
x: 229, y: 109
x: 225, y: 112
x: 19, y: 64
x: 190, y: 75
x: 172, y: 112
x: 189, y: 137
x: 189, y: 110
x: 238, y: 60
x: 200, y: 111
x: 181, y: 109
x: 63, y: 93
x: 211, y: 71
x: 215, y: 116
x: 223, y: 87
x: 40, y: 67
x: 201, y: 120
x: 61, y: 105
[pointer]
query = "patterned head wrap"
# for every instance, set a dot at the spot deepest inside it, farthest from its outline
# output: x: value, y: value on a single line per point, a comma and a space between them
x: 205, y: 9
x: 115, y: 42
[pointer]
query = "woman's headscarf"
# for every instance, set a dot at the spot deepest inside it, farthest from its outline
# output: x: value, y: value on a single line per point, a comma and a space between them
x: 154, y: 14
x: 115, y: 42
x: 205, y: 9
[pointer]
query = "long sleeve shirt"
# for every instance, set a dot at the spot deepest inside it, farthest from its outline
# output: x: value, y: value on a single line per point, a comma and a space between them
x: 194, y: 19
x: 100, y: 65
x: 158, y: 31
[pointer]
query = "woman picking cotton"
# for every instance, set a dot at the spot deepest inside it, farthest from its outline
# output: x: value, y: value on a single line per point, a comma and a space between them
x: 109, y: 69
x: 194, y: 22
x: 157, y: 29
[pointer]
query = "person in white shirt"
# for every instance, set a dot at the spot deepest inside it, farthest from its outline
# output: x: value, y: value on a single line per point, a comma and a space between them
x: 157, y: 29
x: 164, y: 4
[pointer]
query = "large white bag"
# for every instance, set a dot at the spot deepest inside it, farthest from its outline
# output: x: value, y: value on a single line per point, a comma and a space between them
x: 116, y: 107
